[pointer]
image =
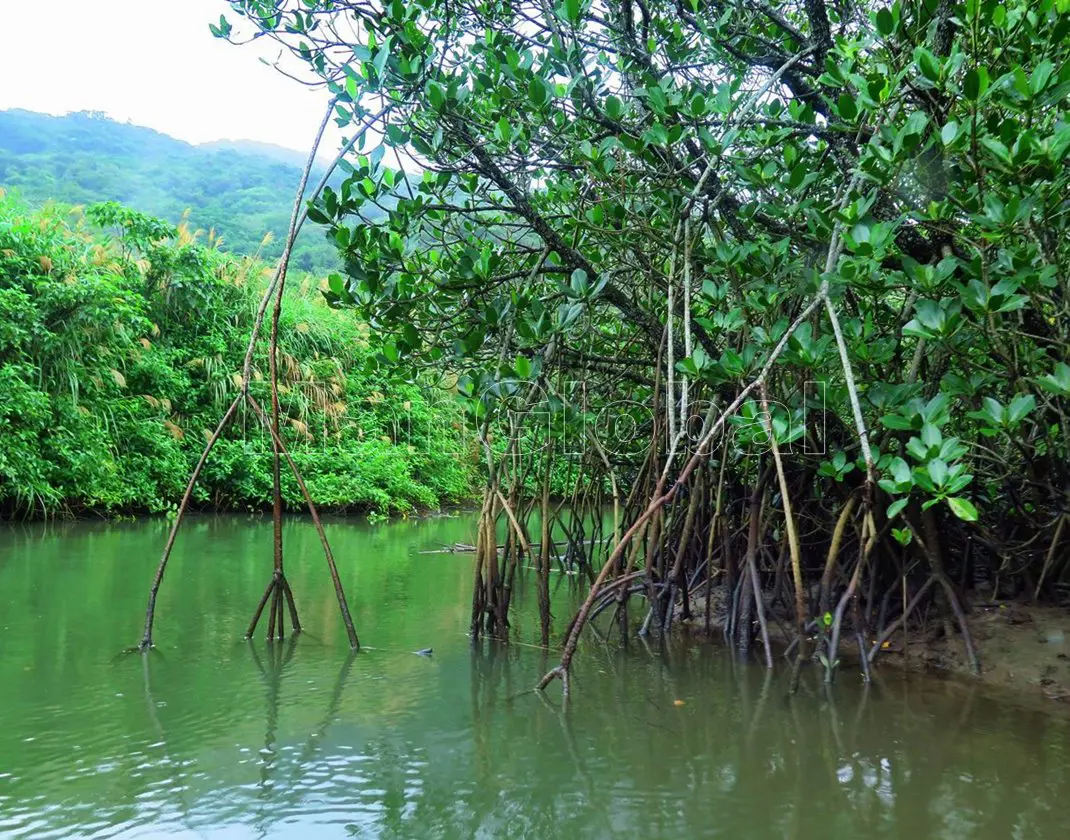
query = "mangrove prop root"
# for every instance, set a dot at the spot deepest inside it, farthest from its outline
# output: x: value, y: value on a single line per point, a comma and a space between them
x: 274, y: 289
x: 260, y: 608
x: 1050, y: 555
x: 752, y: 568
x: 793, y: 543
x: 932, y: 554
x: 833, y: 553
x: 150, y: 611
x: 661, y: 496
x: 878, y: 645
x: 339, y: 592
x: 278, y: 590
x: 295, y: 621
x: 849, y: 596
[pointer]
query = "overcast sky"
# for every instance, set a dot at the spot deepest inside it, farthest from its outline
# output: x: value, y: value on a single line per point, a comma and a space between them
x: 150, y: 62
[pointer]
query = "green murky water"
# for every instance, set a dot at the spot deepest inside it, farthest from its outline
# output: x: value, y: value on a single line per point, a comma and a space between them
x: 217, y: 737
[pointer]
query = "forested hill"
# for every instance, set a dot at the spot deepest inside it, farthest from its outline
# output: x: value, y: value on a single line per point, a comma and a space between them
x: 240, y: 189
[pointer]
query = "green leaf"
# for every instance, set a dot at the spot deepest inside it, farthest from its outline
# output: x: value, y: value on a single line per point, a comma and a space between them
x: 318, y: 216
x: 930, y: 435
x: 975, y: 83
x: 656, y: 135
x: 962, y: 508
x: 898, y: 422
x: 572, y: 10
x: 437, y: 94
x: 579, y: 281
x: 1020, y: 406
x: 1038, y: 80
x: 901, y: 471
x: 655, y: 98
x: 915, y: 123
x: 847, y: 107
x: 949, y: 132
x: 994, y: 409
x: 538, y: 92
x: 1058, y: 381
x: 381, y: 58
x: 928, y: 63
x: 1021, y: 81
x: 937, y: 472
x: 896, y: 507
x: 917, y: 450
x: 998, y: 150
x: 885, y: 22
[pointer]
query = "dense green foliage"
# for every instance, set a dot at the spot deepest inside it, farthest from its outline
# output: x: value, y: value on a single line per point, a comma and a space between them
x: 663, y: 211
x: 118, y: 353
x: 238, y: 191
x: 929, y: 138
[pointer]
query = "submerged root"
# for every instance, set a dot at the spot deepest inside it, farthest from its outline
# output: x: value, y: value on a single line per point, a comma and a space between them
x: 557, y: 672
x: 278, y: 592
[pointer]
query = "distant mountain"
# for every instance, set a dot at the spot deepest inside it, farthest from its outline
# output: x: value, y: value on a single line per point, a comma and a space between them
x: 242, y: 189
x: 279, y: 154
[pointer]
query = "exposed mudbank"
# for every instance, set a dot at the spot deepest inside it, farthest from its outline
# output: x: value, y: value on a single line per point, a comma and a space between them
x: 1021, y: 646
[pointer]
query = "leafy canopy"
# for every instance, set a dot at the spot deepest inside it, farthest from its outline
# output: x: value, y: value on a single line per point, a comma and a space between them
x: 567, y: 180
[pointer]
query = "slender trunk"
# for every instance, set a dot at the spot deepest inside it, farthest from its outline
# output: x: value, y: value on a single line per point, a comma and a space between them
x: 753, y: 533
x: 793, y: 547
x: 543, y: 570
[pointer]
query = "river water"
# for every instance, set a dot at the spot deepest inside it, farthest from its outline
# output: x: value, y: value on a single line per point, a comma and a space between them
x: 215, y: 737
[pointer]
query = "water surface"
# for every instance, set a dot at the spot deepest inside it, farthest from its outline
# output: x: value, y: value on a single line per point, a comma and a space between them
x: 216, y: 737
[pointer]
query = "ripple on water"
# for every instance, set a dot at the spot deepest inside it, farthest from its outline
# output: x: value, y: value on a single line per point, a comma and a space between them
x: 220, y: 738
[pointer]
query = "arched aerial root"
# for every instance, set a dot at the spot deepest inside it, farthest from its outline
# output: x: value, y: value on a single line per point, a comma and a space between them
x: 278, y: 589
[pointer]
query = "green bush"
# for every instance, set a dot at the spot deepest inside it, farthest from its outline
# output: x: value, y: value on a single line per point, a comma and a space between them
x: 121, y: 338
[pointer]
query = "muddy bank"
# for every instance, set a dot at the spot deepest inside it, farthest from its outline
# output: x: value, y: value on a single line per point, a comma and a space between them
x: 1021, y: 646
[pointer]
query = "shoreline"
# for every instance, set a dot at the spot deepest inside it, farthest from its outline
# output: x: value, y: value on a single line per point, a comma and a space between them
x: 1023, y: 648
x: 1021, y: 645
x: 90, y: 514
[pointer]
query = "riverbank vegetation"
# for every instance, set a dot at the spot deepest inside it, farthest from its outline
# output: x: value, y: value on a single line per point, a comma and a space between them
x: 121, y: 340
x: 785, y: 283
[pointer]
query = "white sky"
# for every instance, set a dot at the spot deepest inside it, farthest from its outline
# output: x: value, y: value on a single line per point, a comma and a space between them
x: 154, y: 63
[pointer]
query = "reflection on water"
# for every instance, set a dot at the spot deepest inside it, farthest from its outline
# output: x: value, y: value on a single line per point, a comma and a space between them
x: 212, y: 736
